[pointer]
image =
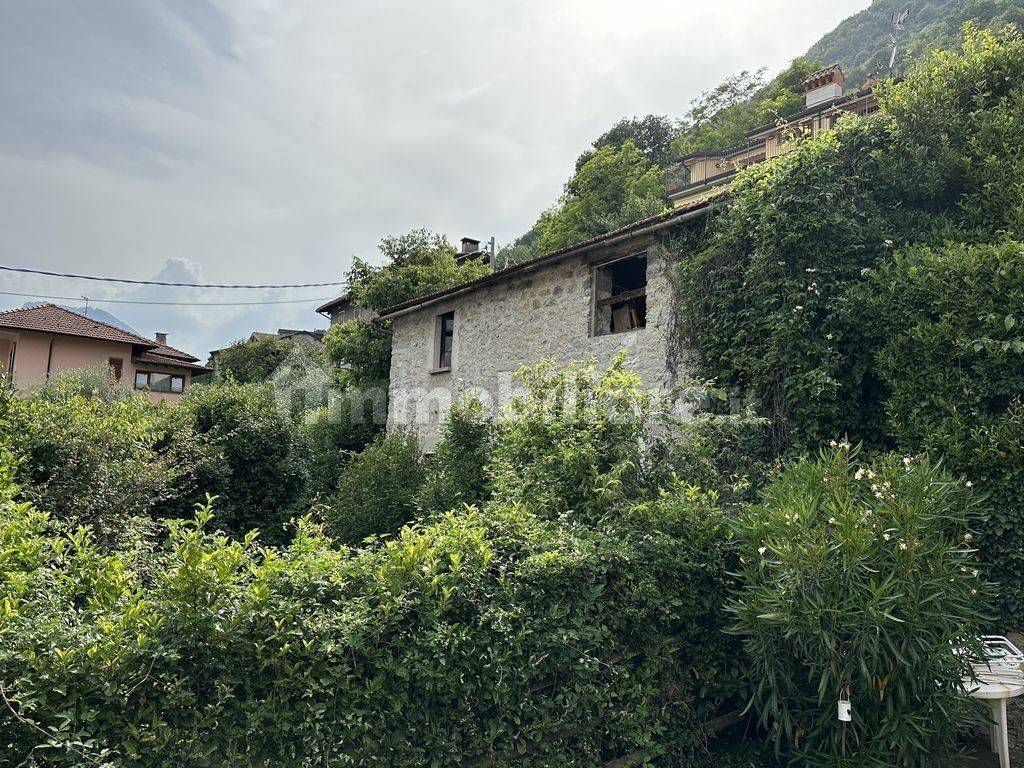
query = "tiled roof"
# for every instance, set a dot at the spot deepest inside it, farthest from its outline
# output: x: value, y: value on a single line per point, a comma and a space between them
x: 49, y: 318
x: 175, y: 362
x: 494, y: 277
x: 327, y: 306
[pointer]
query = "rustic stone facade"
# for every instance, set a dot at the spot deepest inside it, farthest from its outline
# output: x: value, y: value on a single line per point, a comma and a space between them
x: 544, y: 311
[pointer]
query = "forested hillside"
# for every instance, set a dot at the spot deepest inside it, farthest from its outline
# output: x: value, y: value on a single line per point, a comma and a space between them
x: 861, y: 45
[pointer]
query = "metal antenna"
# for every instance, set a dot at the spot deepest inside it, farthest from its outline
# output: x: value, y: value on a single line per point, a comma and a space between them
x: 899, y: 18
x: 86, y: 299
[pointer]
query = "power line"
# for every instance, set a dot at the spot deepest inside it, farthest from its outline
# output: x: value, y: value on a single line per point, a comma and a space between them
x: 164, y: 303
x: 26, y: 270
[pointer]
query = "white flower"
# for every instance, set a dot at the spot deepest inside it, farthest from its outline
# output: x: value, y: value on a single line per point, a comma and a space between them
x: 859, y: 474
x: 903, y: 546
x: 762, y: 550
x: 968, y: 537
x: 969, y: 484
x: 797, y: 308
x: 888, y: 243
x: 829, y: 336
x: 831, y: 521
x: 906, y: 461
x: 886, y: 536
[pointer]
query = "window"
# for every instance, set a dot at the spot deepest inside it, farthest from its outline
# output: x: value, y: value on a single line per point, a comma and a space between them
x: 445, y: 340
x: 117, y: 366
x: 620, y: 295
x: 159, y: 382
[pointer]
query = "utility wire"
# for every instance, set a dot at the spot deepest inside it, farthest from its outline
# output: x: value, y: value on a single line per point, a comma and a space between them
x: 26, y: 270
x: 164, y: 303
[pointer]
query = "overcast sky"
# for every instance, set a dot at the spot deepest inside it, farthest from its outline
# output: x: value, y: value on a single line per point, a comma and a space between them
x: 270, y: 140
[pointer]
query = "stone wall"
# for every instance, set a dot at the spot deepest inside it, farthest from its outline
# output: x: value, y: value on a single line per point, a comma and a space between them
x: 546, y: 312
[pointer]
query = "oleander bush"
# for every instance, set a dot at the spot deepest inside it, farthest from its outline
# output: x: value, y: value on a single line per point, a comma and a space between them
x: 516, y: 633
x: 858, y: 581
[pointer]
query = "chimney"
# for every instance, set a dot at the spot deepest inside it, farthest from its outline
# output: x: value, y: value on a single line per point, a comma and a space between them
x: 161, y: 337
x: 469, y: 245
x: 824, y: 85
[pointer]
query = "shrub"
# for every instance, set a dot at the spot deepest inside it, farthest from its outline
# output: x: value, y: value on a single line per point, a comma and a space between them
x: 857, y: 580
x: 491, y: 637
x: 326, y: 436
x: 377, y: 490
x: 86, y: 452
x: 252, y: 361
x: 242, y: 449
x: 575, y: 444
x: 456, y: 472
x: 951, y: 354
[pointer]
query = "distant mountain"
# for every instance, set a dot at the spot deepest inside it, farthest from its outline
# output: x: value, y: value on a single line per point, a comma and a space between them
x: 861, y: 45
x: 95, y: 313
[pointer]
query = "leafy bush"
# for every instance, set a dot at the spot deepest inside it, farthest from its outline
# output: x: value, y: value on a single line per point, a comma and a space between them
x: 252, y: 361
x: 326, y: 437
x: 378, y: 489
x: 492, y: 637
x: 456, y: 472
x: 571, y: 447
x: 241, y: 449
x: 860, y: 580
x: 86, y: 452
x: 951, y: 355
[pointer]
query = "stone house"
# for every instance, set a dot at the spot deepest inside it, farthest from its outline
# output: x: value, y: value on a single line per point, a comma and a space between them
x: 589, y: 300
x: 37, y: 343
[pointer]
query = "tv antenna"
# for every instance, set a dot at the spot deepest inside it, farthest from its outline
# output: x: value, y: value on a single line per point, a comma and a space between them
x: 899, y: 18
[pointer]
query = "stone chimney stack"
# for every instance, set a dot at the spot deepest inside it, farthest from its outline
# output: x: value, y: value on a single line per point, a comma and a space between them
x: 469, y: 245
x: 161, y: 337
x: 824, y: 85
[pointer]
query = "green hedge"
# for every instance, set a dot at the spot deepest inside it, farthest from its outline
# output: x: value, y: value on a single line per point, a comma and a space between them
x: 950, y: 353
x: 524, y: 633
x: 469, y: 637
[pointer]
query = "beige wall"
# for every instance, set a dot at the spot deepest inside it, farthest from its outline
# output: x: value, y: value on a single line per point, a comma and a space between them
x: 520, y: 320
x: 33, y: 351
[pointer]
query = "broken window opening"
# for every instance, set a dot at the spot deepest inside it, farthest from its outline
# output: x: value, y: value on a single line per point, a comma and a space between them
x: 620, y: 296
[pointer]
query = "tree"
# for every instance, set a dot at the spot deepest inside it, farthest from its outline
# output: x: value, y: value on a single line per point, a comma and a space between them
x: 720, y: 117
x: 652, y: 135
x: 251, y: 361
x: 415, y: 264
x: 614, y: 187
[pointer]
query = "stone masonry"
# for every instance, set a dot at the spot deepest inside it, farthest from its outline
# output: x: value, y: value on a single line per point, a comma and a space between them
x: 546, y: 311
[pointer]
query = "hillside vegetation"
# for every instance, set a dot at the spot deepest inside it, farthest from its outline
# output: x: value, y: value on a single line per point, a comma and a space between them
x: 861, y: 44
x: 602, y: 193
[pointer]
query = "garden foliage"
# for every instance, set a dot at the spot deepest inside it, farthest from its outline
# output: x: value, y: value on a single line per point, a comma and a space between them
x: 518, y: 633
x: 859, y: 583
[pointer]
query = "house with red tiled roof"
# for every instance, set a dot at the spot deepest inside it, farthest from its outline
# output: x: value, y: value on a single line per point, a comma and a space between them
x: 37, y: 343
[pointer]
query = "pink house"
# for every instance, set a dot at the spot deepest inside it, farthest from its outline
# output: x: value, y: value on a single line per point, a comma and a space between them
x: 40, y: 342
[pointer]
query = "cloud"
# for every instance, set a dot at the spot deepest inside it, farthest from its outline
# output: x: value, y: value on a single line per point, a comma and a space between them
x: 272, y: 141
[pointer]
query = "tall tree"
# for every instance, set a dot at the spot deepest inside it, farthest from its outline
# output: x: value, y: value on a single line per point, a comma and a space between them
x: 415, y: 264
x: 613, y: 188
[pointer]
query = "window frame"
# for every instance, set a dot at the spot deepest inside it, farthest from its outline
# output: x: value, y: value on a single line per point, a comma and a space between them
x: 171, y: 377
x: 597, y: 304
x: 442, y: 361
